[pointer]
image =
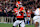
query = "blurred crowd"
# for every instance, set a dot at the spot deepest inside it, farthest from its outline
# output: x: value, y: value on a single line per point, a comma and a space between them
x: 7, y: 6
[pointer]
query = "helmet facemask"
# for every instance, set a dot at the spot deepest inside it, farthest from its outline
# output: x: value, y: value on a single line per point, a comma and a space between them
x: 18, y: 4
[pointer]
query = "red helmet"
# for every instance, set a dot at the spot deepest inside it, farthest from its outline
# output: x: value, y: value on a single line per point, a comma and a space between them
x: 18, y: 3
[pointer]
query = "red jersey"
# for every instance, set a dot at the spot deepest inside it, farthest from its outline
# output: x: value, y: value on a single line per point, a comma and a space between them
x: 28, y: 13
x: 18, y: 12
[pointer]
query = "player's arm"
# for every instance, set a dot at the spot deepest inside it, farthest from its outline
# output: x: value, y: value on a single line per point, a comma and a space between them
x: 13, y: 12
x: 23, y: 11
x: 36, y: 12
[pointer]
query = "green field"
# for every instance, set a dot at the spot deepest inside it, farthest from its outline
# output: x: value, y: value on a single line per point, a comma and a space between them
x: 10, y: 25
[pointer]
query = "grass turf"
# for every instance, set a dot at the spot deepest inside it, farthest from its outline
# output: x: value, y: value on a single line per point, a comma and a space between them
x: 10, y: 25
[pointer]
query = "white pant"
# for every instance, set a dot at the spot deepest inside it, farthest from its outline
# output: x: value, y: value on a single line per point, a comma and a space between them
x: 36, y: 19
x: 17, y: 22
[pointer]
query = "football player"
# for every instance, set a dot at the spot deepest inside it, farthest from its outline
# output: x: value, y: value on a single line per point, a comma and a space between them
x: 36, y: 18
x: 19, y: 11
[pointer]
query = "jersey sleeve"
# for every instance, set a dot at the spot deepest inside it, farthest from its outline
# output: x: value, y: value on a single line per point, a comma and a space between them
x: 14, y: 9
x: 36, y: 12
x: 22, y: 8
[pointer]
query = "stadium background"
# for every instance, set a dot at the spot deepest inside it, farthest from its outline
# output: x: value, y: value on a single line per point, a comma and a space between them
x: 7, y: 16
